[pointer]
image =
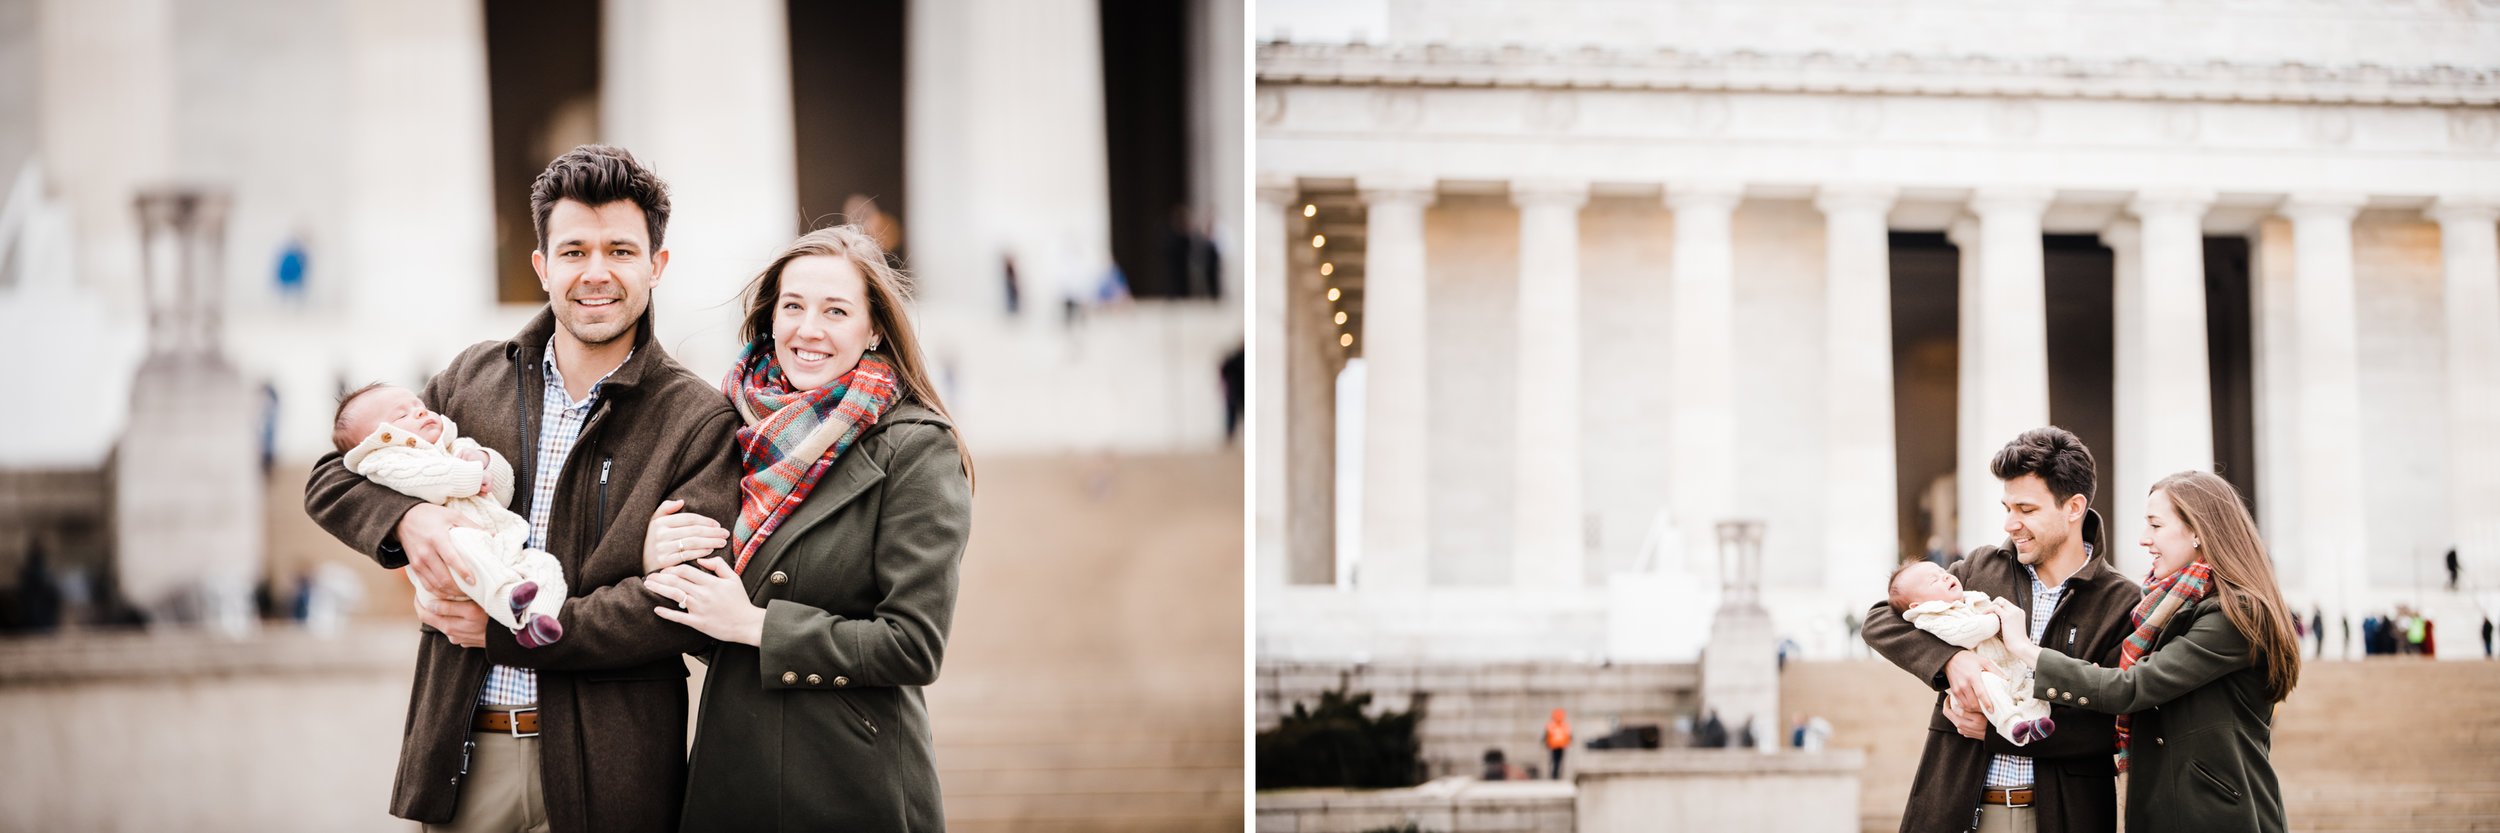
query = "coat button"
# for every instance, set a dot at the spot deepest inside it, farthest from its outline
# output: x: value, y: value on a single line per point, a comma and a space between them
x: 779, y: 577
x: 2052, y: 692
x: 789, y: 677
x: 2157, y: 742
x: 813, y: 679
x: 2084, y: 702
x: 839, y: 682
x: 2069, y: 696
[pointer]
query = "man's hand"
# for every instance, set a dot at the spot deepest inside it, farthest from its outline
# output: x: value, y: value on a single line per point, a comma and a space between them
x: 678, y: 537
x: 1962, y: 676
x: 1967, y: 720
x: 462, y: 622
x: 425, y: 534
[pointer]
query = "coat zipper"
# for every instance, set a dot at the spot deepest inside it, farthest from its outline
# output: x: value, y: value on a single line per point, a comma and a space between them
x: 602, y: 518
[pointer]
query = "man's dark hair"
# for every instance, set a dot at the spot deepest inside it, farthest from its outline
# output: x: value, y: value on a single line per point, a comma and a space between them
x: 595, y: 175
x: 2055, y: 455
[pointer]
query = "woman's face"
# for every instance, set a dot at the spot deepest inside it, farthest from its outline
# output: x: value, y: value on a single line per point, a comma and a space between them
x: 2169, y: 540
x: 820, y: 320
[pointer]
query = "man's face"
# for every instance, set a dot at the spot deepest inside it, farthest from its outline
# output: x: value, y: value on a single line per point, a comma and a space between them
x: 598, y: 269
x: 2037, y: 522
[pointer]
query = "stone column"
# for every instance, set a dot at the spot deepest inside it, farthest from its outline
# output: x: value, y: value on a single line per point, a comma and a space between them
x: 701, y: 95
x: 2472, y: 257
x: 2164, y: 387
x: 1395, y: 461
x: 1702, y: 422
x: 2008, y: 327
x: 1861, y: 490
x: 1547, y: 546
x: 2122, y: 494
x: 2329, y: 397
x: 1268, y: 334
x: 418, y: 77
x: 2275, y: 323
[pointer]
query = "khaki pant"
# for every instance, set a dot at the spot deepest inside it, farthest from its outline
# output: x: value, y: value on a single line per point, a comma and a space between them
x: 1998, y: 818
x: 501, y: 792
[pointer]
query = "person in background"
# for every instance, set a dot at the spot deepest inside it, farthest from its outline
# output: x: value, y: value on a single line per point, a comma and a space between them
x: 1557, y: 739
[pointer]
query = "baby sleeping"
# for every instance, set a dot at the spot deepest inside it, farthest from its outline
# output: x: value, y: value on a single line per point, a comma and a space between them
x: 1934, y: 600
x: 394, y: 440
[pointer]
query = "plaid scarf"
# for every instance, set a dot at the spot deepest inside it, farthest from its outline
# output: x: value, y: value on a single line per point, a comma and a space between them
x: 792, y: 436
x: 2162, y: 598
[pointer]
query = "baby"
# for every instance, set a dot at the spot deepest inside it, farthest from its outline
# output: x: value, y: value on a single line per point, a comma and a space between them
x: 394, y: 440
x: 1933, y: 600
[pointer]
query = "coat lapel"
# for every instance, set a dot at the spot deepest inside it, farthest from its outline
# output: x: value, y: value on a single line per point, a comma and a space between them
x: 851, y: 477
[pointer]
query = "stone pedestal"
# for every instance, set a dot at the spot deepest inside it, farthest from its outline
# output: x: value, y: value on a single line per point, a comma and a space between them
x: 1709, y: 789
x: 1740, y: 667
x: 187, y: 499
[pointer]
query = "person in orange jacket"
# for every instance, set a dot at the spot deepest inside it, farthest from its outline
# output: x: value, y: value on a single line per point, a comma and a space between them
x: 1557, y: 739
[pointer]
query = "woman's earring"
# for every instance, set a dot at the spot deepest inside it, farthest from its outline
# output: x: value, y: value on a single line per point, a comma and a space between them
x: 872, y: 345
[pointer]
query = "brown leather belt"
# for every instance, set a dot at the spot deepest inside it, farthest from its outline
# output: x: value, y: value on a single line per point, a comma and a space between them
x: 519, y: 723
x: 2017, y: 797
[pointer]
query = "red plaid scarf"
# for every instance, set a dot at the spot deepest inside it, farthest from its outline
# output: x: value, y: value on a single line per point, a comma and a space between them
x: 2162, y: 598
x: 792, y: 437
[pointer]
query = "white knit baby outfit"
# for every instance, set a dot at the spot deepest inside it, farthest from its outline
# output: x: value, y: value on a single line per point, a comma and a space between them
x: 496, y: 552
x: 1969, y: 624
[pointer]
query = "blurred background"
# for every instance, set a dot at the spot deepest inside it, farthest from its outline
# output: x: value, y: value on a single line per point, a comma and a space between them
x: 219, y: 215
x: 1553, y: 290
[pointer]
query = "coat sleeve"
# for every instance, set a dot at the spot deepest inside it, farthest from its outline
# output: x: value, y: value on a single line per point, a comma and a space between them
x: 498, y: 472
x: 927, y: 517
x: 2080, y: 731
x: 612, y: 626
x: 360, y: 513
x: 2209, y: 649
x: 430, y: 476
x: 1914, y: 650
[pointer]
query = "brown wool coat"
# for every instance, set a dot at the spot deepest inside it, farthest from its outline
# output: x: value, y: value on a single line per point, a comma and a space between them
x: 2074, y: 787
x: 824, y: 728
x: 612, y: 692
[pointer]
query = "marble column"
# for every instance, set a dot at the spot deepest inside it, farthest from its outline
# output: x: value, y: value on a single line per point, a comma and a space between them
x: 418, y: 75
x: 1395, y: 462
x: 2122, y: 492
x: 1702, y: 422
x: 2164, y: 385
x: 1547, y: 546
x: 2274, y: 321
x: 1861, y: 488
x: 2329, y: 396
x: 1971, y: 480
x: 2472, y: 280
x: 2009, y: 329
x: 1270, y: 338
x: 701, y: 95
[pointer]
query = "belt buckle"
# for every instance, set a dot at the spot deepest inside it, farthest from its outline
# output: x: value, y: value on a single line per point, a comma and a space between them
x: 515, y: 728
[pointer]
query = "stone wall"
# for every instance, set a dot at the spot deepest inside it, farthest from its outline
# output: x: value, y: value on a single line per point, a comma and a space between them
x: 1471, y: 708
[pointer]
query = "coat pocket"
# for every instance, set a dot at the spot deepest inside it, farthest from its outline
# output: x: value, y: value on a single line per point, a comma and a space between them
x: 860, y: 722
x: 2215, y: 783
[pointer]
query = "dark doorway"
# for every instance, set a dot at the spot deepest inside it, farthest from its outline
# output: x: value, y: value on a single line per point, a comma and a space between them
x: 2230, y: 340
x: 2081, y: 288
x: 1926, y: 367
x: 542, y: 100
x: 846, y: 86
x: 1145, y: 67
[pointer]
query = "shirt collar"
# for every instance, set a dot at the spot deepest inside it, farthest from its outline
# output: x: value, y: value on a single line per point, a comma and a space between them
x: 555, y: 378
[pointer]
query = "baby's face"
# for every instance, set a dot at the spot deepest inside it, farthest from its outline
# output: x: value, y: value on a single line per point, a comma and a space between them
x: 1928, y: 583
x: 394, y: 405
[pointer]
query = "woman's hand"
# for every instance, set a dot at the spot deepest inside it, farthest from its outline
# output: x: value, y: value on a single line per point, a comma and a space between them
x: 675, y: 538
x: 711, y: 599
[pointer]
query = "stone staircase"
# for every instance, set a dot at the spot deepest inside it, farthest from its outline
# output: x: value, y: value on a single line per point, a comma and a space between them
x: 2386, y: 744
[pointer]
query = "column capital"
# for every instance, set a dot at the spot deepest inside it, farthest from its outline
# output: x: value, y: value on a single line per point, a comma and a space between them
x: 2323, y: 205
x: 1277, y: 189
x: 2122, y: 233
x: 1397, y: 189
x: 1545, y: 192
x: 1705, y: 195
x: 2169, y: 202
x: 2011, y: 200
x: 1856, y: 198
x: 2464, y: 208
x: 1963, y: 231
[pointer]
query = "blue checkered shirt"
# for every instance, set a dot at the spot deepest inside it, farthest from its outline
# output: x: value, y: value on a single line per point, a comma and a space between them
x: 559, y: 424
x: 2015, y: 770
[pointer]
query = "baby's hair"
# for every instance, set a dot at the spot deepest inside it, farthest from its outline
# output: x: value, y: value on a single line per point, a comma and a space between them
x: 338, y: 420
x: 1892, y: 588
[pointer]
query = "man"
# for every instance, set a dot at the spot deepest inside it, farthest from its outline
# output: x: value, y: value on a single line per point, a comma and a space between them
x: 2055, y: 563
x: 601, y: 427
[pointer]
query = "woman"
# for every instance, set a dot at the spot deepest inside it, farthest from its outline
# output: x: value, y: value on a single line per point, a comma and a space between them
x: 2197, y: 682
x: 837, y: 583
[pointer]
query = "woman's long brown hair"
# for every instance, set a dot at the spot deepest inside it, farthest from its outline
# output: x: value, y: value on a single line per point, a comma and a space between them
x: 888, y: 290
x: 2243, y: 574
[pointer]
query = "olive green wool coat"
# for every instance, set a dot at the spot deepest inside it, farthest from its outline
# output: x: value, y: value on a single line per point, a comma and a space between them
x: 823, y: 727
x: 2203, y: 725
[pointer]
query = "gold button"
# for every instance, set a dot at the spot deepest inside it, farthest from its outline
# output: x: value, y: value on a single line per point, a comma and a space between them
x: 779, y: 577
x: 789, y: 677
x: 2069, y: 696
x: 2084, y: 702
x: 2052, y: 692
x: 814, y: 680
x: 839, y: 682
x: 2157, y: 742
